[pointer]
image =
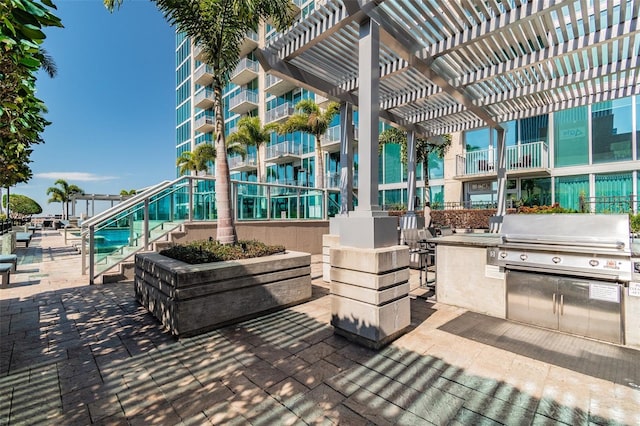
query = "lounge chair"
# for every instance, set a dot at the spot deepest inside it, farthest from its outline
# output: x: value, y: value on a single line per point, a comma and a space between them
x: 10, y: 258
x: 5, y: 271
x: 23, y: 237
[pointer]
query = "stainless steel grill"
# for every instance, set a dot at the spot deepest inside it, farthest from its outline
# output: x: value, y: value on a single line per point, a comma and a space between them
x: 567, y: 271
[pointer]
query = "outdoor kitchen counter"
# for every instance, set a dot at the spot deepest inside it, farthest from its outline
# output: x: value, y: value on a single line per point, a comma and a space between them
x: 474, y: 240
x: 463, y: 277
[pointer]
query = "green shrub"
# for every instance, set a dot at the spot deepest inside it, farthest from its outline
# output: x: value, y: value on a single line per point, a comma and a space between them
x: 212, y: 251
x: 635, y: 223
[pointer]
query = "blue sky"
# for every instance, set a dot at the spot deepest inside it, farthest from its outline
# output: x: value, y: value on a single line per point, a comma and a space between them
x: 112, y: 104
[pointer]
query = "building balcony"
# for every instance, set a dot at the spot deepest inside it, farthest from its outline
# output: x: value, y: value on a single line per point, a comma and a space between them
x: 204, y: 124
x: 245, y: 71
x: 198, y: 53
x: 283, y: 152
x: 277, y: 86
x: 243, y: 102
x: 330, y: 141
x: 204, y: 99
x: 249, y: 43
x: 521, y: 160
x: 238, y: 164
x: 203, y: 75
x: 279, y: 113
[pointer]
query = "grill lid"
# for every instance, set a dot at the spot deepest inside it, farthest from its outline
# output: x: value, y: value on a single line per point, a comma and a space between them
x: 568, y: 230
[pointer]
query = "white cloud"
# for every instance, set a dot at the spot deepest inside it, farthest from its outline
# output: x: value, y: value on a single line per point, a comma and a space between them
x: 73, y: 176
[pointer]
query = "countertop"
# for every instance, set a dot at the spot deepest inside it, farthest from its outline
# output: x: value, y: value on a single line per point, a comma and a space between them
x: 470, y: 240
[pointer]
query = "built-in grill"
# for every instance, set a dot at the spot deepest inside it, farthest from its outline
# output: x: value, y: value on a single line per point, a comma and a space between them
x: 567, y: 271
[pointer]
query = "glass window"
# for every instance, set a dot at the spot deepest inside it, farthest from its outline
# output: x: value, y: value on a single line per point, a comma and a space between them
x: 392, y: 198
x: 614, y: 193
x: 571, y: 137
x: 569, y: 189
x: 476, y: 140
x: 436, y: 166
x: 436, y: 195
x: 534, y: 129
x: 392, y: 164
x: 637, y: 127
x: 611, y: 131
x: 535, y: 192
x: 511, y: 133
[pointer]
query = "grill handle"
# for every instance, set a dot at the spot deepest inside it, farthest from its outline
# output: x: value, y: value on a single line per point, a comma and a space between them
x: 565, y: 241
x: 554, y: 303
x: 562, y: 304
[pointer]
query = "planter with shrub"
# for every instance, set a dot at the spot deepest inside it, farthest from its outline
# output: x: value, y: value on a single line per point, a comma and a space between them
x: 220, y: 285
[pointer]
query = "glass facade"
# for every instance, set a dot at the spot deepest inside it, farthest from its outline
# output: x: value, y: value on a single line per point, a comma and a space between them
x: 613, y: 193
x: 571, y: 137
x: 611, y: 130
x: 569, y: 189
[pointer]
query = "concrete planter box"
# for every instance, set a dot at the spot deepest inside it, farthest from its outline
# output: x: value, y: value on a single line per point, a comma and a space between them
x: 191, y: 299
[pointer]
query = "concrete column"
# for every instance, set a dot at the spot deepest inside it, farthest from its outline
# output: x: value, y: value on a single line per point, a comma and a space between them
x: 496, y: 222
x: 369, y: 272
x: 411, y: 172
x: 368, y: 115
x: 370, y: 294
x: 346, y: 158
x: 367, y: 226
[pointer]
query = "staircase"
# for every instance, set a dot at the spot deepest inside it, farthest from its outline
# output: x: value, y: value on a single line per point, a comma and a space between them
x: 120, y: 266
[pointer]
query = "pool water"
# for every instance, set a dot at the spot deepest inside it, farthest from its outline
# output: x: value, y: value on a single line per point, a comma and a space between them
x: 108, y: 240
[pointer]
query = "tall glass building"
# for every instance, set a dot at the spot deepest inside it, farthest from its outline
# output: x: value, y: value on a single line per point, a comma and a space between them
x: 581, y: 158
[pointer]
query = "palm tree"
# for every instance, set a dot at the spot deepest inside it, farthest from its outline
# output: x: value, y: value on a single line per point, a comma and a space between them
x: 219, y: 27
x: 125, y: 193
x: 424, y: 147
x: 63, y: 194
x: 252, y: 133
x: 199, y: 159
x: 310, y: 119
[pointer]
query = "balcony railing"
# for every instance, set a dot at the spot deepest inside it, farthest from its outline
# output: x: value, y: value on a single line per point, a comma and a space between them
x: 279, y: 113
x: 331, y: 139
x: 519, y: 158
x: 204, y: 98
x: 243, y: 102
x: 277, y: 86
x: 237, y: 163
x: 283, y: 151
x: 249, y: 43
x: 204, y: 124
x: 203, y: 75
x: 245, y: 71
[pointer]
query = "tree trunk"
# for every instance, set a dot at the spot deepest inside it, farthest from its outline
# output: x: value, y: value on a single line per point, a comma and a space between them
x: 319, y: 164
x: 226, y: 231
x: 425, y: 174
x: 8, y: 208
x: 258, y: 165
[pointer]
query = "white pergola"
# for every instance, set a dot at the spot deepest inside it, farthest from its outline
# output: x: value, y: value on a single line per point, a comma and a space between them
x: 436, y: 67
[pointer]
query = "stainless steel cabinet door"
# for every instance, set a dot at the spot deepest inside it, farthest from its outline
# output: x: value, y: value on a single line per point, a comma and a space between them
x: 532, y: 298
x: 590, y: 308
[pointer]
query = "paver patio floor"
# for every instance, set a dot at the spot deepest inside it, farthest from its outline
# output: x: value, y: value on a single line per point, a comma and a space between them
x: 71, y: 353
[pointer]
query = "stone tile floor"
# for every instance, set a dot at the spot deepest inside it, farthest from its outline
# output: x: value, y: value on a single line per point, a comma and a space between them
x: 74, y: 354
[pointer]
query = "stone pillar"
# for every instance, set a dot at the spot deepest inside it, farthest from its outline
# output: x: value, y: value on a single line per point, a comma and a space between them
x: 369, y: 271
x: 329, y: 241
x: 370, y: 294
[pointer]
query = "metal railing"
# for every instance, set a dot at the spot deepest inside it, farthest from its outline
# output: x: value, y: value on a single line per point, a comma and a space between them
x: 243, y: 96
x: 115, y: 235
x: 534, y: 155
x: 278, y: 113
x: 283, y: 149
x: 5, y: 226
x: 246, y: 64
